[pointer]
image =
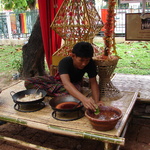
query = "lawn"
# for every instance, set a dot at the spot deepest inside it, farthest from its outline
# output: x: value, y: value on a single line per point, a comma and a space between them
x: 135, y: 58
x: 10, y: 58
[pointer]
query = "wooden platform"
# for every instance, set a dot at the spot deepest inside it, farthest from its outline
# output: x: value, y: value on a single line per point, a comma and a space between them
x: 43, y: 119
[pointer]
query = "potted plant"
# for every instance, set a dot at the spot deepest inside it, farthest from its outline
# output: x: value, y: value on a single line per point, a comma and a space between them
x: 106, y: 61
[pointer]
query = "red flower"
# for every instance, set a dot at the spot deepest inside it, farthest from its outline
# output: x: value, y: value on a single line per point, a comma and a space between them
x: 109, y: 27
x: 70, y: 14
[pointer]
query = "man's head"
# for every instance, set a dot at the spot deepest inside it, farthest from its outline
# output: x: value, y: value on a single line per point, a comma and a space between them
x: 83, y: 49
x: 81, y: 54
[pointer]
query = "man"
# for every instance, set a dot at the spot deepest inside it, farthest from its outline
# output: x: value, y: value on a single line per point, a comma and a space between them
x: 71, y: 70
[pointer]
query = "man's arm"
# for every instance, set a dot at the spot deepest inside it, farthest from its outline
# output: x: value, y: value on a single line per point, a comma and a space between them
x: 94, y: 89
x: 87, y: 102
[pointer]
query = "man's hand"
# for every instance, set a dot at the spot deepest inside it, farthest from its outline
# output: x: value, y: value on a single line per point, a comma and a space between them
x: 89, y: 103
x: 100, y: 103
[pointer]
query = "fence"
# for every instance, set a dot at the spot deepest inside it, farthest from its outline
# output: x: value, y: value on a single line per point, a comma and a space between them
x: 17, y: 24
x: 120, y: 18
x: 20, y: 24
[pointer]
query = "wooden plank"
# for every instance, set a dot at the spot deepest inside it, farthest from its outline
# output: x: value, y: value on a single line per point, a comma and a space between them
x: 66, y: 131
x: 29, y: 145
x: 43, y: 120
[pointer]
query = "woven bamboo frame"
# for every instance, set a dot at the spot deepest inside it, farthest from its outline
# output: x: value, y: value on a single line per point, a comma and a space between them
x: 76, y: 20
x: 108, y: 91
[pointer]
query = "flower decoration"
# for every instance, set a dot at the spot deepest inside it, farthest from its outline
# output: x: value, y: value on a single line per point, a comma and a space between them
x: 109, y: 40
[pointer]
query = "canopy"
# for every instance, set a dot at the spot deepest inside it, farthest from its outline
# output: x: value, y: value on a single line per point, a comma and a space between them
x: 51, y: 40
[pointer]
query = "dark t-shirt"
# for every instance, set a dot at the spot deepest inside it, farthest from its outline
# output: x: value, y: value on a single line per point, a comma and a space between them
x: 76, y: 75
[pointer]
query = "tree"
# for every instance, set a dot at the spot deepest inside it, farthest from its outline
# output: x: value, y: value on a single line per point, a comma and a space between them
x: 33, y: 51
x: 19, y: 4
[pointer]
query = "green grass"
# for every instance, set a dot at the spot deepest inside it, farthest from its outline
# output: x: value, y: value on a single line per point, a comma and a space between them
x: 135, y: 58
x: 10, y: 58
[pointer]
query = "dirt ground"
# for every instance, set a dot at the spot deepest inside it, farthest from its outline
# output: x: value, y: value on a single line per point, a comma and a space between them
x: 137, y: 134
x: 6, y: 80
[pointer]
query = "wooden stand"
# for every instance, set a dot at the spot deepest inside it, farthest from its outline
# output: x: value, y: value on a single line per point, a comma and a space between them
x: 43, y: 120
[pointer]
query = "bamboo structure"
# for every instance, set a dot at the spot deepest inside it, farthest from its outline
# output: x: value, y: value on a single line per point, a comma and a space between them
x: 43, y: 120
x: 76, y: 20
x: 106, y: 62
x: 108, y: 92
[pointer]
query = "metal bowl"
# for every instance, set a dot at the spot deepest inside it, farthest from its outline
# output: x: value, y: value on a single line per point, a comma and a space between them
x: 60, y: 103
x: 21, y: 94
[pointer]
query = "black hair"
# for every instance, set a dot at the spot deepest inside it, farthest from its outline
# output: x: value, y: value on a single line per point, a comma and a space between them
x: 83, y: 49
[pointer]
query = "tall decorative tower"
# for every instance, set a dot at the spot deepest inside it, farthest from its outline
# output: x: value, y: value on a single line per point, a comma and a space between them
x: 76, y: 20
